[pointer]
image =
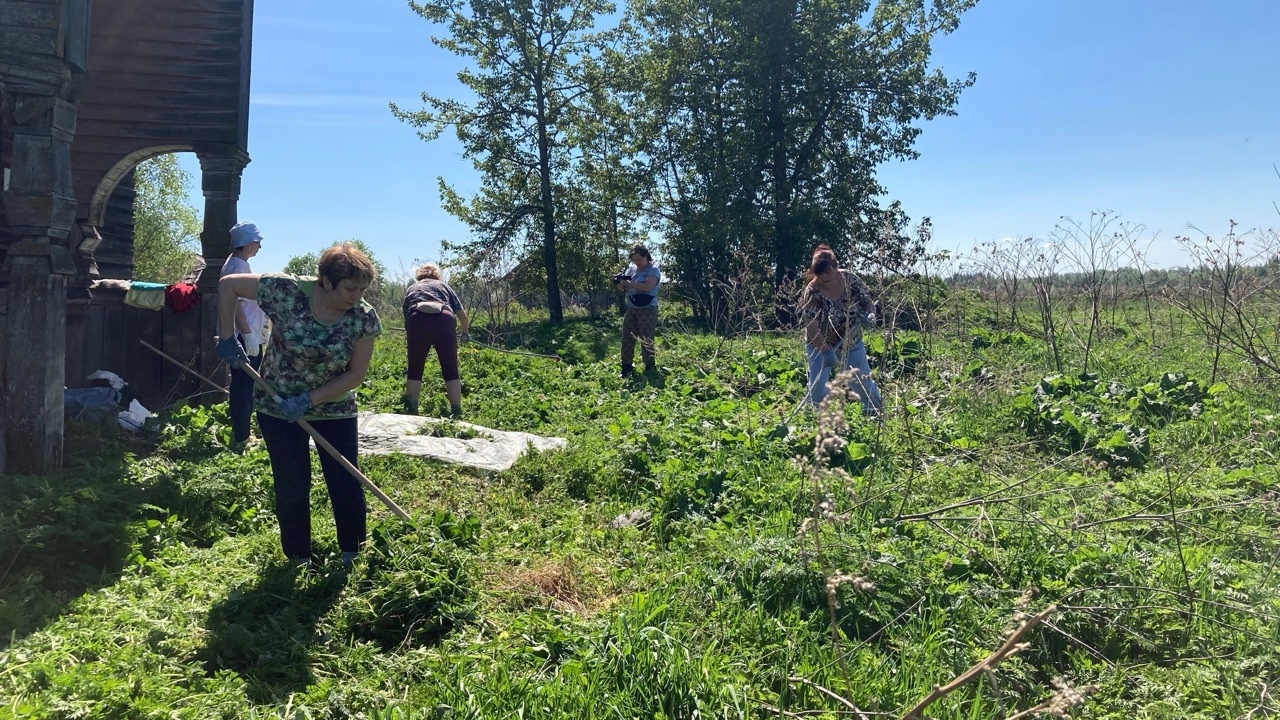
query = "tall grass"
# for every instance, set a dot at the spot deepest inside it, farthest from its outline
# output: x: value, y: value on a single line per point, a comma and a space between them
x: 147, y: 580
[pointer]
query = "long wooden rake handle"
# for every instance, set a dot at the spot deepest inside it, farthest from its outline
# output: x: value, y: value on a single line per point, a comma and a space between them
x: 320, y: 441
x: 333, y: 451
x: 173, y: 360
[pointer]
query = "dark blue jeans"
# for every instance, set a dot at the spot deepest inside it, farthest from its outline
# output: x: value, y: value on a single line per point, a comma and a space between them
x: 241, y: 403
x: 290, y: 452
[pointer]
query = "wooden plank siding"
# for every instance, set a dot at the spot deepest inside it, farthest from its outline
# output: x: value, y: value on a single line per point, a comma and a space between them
x: 77, y: 319
x: 104, y: 334
x: 86, y: 348
x: 162, y: 74
x: 35, y: 15
x: 114, y: 255
x: 6, y: 160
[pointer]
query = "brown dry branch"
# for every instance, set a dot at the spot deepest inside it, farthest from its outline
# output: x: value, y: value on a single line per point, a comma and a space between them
x: 1043, y: 268
x: 805, y: 713
x: 1012, y: 646
x: 1162, y: 517
x: 1062, y: 603
x: 987, y: 498
x: 867, y: 640
x: 1096, y: 653
x: 783, y: 713
x: 1007, y: 263
x: 911, y: 452
x: 1094, y: 250
x: 1098, y: 612
x: 1231, y: 300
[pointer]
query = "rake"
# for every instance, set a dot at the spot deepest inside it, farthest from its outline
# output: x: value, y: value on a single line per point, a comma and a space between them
x: 320, y: 441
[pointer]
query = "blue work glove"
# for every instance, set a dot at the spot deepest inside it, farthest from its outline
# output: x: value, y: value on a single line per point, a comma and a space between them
x: 293, y: 408
x: 229, y: 349
x: 464, y: 338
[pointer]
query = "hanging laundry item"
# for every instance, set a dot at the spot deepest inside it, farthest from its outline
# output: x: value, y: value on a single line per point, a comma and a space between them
x: 181, y: 297
x: 145, y: 295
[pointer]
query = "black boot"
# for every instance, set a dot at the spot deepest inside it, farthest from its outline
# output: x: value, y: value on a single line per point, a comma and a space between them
x: 649, y: 367
x: 627, y: 370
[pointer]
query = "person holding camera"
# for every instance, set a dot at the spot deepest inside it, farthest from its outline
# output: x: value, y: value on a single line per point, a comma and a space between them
x: 640, y: 283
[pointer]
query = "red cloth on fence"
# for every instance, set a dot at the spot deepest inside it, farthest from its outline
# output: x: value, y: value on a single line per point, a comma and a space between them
x: 181, y: 297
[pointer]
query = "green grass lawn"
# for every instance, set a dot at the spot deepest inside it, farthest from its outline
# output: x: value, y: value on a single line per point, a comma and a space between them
x: 147, y: 581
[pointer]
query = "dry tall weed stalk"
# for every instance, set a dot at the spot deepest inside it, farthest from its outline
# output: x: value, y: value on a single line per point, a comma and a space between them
x: 828, y: 483
x: 1064, y: 697
x: 1233, y: 294
x: 829, y: 444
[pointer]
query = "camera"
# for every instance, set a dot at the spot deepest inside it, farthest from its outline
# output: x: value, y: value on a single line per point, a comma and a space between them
x: 619, y: 277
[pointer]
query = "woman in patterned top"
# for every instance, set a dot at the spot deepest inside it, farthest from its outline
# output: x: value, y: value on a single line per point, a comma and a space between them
x: 318, y: 354
x: 833, y: 307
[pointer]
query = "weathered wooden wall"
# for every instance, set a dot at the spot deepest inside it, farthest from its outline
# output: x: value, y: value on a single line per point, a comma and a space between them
x: 107, y: 89
x: 164, y: 75
x: 114, y: 255
x: 6, y: 160
x: 104, y: 334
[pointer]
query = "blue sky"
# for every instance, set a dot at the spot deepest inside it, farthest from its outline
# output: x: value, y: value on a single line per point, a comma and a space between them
x: 1166, y: 112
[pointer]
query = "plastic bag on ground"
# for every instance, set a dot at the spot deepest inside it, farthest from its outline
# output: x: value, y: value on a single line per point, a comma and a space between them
x: 135, y: 417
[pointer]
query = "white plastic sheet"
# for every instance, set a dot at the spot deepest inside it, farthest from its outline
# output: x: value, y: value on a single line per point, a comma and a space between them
x: 497, y: 450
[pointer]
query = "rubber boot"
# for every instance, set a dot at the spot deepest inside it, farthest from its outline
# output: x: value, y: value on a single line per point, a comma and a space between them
x: 627, y: 370
x: 410, y: 405
x: 455, y: 411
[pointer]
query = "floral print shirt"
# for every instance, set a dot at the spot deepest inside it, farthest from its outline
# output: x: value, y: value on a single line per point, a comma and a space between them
x: 303, y: 352
x: 842, y: 319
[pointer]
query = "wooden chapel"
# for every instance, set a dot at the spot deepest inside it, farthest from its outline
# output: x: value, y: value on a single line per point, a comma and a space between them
x: 87, y: 91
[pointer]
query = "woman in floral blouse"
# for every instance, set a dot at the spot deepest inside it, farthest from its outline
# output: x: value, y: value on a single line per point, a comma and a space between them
x: 833, y: 307
x: 319, y: 352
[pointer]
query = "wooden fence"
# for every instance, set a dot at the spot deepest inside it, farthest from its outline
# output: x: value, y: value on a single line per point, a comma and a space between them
x: 103, y: 334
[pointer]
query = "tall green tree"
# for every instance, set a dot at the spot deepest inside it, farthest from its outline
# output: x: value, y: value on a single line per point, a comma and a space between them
x: 166, y: 228
x: 306, y: 264
x: 765, y: 120
x: 680, y: 83
x: 383, y: 295
x: 530, y: 82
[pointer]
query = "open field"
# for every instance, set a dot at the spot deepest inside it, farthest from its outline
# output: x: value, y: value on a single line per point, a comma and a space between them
x: 1139, y: 501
